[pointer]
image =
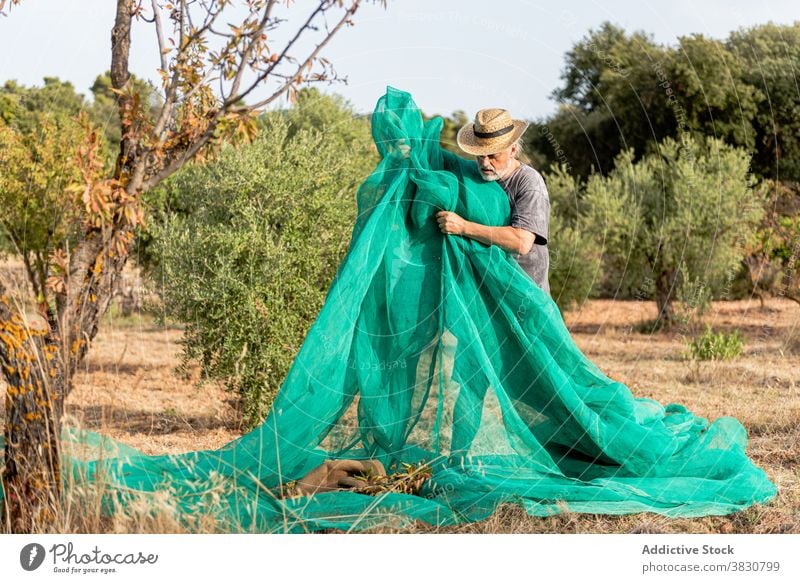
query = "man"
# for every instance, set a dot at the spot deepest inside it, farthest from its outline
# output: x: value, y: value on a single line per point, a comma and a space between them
x: 495, y: 139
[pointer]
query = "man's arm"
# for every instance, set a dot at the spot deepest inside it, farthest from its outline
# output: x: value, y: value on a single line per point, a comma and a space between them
x: 509, y: 238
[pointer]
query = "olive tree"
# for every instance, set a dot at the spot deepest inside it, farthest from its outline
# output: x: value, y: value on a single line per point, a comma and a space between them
x: 247, y: 256
x: 677, y: 223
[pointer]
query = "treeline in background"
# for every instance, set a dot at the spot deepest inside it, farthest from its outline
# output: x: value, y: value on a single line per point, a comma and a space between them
x: 673, y: 173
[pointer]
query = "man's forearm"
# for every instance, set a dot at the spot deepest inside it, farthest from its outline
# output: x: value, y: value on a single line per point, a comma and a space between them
x: 509, y: 238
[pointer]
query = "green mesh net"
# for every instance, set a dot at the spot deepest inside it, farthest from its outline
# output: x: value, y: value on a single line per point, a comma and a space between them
x: 440, y: 350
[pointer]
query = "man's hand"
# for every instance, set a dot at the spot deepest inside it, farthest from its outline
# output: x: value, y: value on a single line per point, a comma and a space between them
x: 451, y: 223
x: 404, y: 149
x: 509, y: 238
x: 333, y: 475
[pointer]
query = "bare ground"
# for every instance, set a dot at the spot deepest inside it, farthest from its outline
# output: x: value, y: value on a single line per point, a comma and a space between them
x: 130, y: 390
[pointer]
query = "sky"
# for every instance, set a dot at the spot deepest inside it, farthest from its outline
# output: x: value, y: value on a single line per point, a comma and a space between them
x: 449, y: 54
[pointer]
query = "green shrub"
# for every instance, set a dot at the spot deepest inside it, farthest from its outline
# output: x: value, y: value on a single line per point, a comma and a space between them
x: 247, y: 260
x: 712, y: 345
x: 575, y: 257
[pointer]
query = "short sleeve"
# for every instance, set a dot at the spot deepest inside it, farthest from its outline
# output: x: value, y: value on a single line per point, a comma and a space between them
x: 531, y: 208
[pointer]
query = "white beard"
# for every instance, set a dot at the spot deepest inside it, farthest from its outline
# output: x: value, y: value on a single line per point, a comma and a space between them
x: 495, y: 175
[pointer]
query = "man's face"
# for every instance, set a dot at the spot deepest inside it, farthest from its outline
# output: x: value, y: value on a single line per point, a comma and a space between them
x: 495, y: 166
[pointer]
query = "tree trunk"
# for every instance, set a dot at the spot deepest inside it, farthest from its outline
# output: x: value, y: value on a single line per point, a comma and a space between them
x: 39, y: 364
x: 32, y: 474
x: 664, y: 293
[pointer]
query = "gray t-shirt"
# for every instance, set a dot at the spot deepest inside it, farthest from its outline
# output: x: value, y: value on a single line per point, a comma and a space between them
x: 530, y: 210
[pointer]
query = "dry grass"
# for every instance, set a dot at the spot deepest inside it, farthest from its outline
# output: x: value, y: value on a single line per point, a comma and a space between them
x: 129, y: 389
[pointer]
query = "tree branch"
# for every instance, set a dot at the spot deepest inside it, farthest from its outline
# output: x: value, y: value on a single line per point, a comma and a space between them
x: 179, y: 161
x: 249, y: 50
x: 159, y: 35
x: 348, y: 14
x: 322, y: 7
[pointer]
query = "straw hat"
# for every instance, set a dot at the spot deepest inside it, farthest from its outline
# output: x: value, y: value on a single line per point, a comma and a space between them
x: 492, y: 131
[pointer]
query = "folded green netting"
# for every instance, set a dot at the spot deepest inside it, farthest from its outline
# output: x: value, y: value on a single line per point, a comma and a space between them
x: 440, y: 349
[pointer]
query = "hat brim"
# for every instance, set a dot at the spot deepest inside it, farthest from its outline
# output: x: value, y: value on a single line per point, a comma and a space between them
x: 471, y: 144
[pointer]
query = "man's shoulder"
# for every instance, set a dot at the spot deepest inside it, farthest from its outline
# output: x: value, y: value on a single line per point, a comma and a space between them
x: 529, y: 173
x: 526, y: 177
